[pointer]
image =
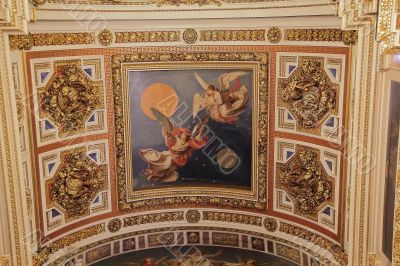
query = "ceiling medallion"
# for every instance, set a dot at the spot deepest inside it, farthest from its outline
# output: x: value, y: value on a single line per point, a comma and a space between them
x: 105, y: 37
x: 190, y: 36
x: 306, y: 182
x: 186, y: 2
x: 309, y: 93
x: 193, y: 216
x: 114, y: 225
x: 270, y: 224
x: 76, y: 183
x: 69, y: 98
x: 274, y: 35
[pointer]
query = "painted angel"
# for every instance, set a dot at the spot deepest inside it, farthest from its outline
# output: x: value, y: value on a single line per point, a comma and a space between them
x: 181, y: 142
x: 226, y: 103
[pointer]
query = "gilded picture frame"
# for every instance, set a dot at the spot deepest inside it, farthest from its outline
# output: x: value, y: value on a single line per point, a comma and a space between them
x: 130, y: 199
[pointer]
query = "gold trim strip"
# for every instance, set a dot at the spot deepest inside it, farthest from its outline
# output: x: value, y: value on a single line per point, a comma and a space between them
x: 44, y: 253
x: 48, y: 39
x: 348, y: 37
x: 232, y: 35
x: 232, y: 218
x: 180, y: 10
x: 147, y: 36
x: 337, y: 251
x: 152, y: 2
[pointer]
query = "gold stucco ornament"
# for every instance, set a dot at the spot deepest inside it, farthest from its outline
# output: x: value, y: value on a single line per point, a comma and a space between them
x: 76, y: 183
x: 69, y: 99
x: 190, y: 36
x: 274, y: 35
x: 105, y: 37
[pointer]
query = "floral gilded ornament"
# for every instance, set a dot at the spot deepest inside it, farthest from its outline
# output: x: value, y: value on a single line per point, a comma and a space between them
x: 190, y: 36
x: 193, y: 216
x: 306, y: 182
x: 76, y: 183
x: 270, y: 224
x: 274, y: 35
x: 308, y: 93
x: 69, y: 99
x: 114, y: 225
x: 105, y: 37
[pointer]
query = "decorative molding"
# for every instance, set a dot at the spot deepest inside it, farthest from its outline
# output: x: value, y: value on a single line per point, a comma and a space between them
x: 232, y: 218
x: 232, y: 35
x: 154, y: 218
x: 40, y: 257
x: 372, y: 259
x: 337, y: 251
x: 200, y: 3
x: 348, y: 37
x: 158, y: 3
x: 5, y: 261
x: 223, y: 236
x: 147, y: 36
x: 26, y: 42
x: 396, y: 222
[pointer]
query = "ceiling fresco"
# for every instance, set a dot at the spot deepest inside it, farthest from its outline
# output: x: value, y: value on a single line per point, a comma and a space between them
x: 256, y: 129
x: 162, y: 131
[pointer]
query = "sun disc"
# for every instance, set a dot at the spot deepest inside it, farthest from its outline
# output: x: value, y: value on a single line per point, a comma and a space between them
x: 161, y: 97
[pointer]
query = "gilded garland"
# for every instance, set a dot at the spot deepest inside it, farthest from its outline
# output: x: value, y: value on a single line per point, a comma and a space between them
x: 260, y: 153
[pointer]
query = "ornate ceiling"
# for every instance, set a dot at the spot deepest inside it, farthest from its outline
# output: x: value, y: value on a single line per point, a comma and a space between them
x: 237, y: 131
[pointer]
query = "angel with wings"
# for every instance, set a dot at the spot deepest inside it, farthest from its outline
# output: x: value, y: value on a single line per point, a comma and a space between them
x: 226, y: 103
x: 181, y: 142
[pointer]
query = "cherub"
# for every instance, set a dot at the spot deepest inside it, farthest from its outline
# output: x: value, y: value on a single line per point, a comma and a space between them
x: 224, y: 104
x: 180, y: 142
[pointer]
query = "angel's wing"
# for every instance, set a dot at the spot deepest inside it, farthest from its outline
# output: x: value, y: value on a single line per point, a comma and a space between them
x: 201, y: 81
x: 226, y: 79
x: 199, y: 103
x: 164, y: 121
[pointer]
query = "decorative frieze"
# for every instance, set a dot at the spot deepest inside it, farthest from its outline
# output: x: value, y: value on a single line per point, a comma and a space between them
x: 49, y: 39
x: 232, y: 218
x: 232, y: 35
x: 321, y: 35
x: 147, y: 36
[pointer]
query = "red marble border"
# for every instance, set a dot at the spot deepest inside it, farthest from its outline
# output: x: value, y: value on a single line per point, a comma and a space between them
x: 107, y: 53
